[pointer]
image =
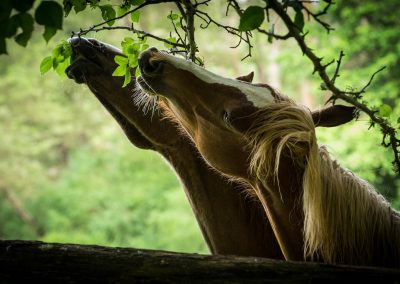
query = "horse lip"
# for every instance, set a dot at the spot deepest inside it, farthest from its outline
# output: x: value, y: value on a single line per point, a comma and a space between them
x: 144, y: 85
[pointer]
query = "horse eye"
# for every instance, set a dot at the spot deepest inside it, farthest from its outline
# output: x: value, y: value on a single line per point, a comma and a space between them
x: 226, y: 117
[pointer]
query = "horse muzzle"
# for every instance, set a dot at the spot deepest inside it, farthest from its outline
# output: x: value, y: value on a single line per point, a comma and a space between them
x: 149, y: 63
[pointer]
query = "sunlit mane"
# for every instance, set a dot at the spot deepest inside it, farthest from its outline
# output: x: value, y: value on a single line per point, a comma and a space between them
x: 345, y: 219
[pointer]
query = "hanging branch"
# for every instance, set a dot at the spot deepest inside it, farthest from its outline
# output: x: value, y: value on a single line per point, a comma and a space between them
x: 388, y: 131
x: 316, y: 16
x: 129, y: 28
x: 146, y: 3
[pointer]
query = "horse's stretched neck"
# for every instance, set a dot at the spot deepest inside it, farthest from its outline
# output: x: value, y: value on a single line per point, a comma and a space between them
x: 280, y: 138
x: 281, y: 199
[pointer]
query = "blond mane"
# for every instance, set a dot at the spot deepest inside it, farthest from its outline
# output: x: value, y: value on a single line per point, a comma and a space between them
x: 345, y: 219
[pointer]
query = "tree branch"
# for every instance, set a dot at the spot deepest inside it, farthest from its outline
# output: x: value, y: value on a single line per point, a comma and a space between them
x: 190, y: 12
x: 129, y: 28
x: 329, y: 84
x: 146, y: 3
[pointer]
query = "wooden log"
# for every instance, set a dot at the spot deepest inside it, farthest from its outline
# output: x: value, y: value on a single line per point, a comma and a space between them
x: 27, y: 261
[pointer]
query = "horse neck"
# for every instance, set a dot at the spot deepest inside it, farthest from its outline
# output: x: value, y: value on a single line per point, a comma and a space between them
x: 345, y: 219
x: 281, y: 197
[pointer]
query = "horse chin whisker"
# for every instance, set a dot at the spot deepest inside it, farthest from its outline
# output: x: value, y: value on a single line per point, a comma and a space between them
x: 145, y: 101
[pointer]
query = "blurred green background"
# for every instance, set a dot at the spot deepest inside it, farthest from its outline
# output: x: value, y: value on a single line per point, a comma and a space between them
x: 68, y: 174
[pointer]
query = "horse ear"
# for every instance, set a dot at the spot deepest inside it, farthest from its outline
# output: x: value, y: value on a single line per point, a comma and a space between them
x: 333, y: 116
x: 246, y: 78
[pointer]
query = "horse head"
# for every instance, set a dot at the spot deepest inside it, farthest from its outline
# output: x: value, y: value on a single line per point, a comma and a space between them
x: 217, y: 112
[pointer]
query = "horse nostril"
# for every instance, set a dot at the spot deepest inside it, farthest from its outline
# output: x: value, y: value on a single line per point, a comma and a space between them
x: 153, y: 49
x: 152, y: 67
x: 148, y: 66
x: 75, y: 41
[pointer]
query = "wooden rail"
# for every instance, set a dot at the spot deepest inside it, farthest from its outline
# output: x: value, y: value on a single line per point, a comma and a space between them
x: 38, y: 262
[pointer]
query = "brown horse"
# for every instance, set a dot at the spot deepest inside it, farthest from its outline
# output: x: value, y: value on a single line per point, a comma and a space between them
x: 231, y: 223
x: 249, y: 132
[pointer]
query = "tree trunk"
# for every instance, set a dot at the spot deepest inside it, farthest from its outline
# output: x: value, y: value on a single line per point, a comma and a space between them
x: 23, y: 261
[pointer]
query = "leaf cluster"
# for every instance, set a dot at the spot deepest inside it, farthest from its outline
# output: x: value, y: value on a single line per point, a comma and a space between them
x: 59, y: 59
x: 17, y: 18
x: 131, y: 48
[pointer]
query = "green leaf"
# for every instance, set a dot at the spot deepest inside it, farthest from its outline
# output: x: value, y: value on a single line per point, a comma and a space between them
x: 128, y: 40
x: 49, y: 13
x: 121, y: 10
x: 121, y: 60
x: 251, y: 18
x: 12, y: 26
x: 46, y: 64
x: 385, y: 110
x: 137, y: 72
x: 135, y: 16
x: 133, y: 60
x: 94, y: 3
x: 108, y: 13
x: 5, y: 9
x: 131, y: 49
x: 173, y: 17
x: 60, y: 69
x: 22, y: 39
x: 79, y: 5
x: 295, y: 5
x: 128, y: 77
x: 168, y: 45
x: 61, y: 53
x: 136, y: 2
x: 144, y: 47
x: 60, y: 59
x: 119, y: 71
x: 22, y: 5
x: 49, y: 32
x: 26, y: 23
x: 67, y: 4
x: 299, y: 20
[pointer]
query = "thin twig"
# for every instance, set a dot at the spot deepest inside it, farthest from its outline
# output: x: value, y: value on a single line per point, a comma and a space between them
x: 132, y: 29
x: 358, y: 93
x: 146, y: 3
x: 338, y: 62
x: 190, y: 12
x: 316, y: 16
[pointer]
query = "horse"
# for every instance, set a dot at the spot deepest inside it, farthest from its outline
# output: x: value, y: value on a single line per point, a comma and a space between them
x: 231, y: 223
x: 319, y: 211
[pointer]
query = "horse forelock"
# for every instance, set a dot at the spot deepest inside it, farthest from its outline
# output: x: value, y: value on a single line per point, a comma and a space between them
x: 345, y: 219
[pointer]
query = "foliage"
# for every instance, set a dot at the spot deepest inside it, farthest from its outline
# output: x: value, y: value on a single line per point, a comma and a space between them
x: 131, y: 48
x: 252, y: 18
x: 59, y: 59
x: 18, y: 15
x: 74, y: 173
